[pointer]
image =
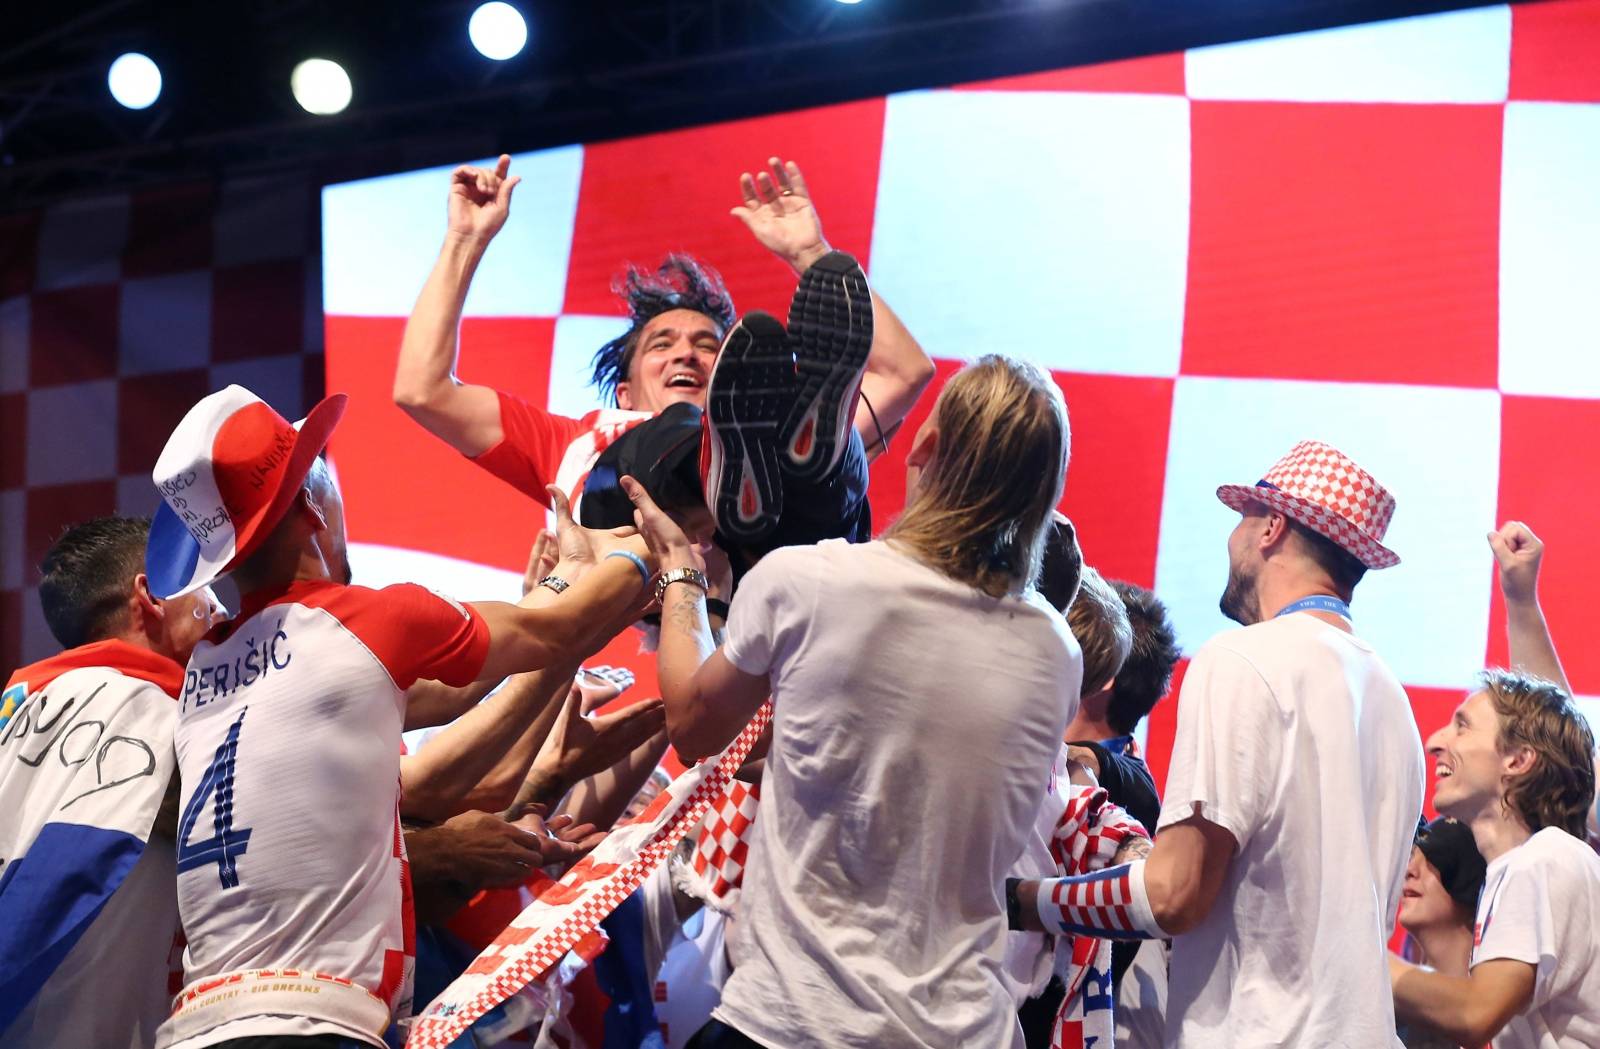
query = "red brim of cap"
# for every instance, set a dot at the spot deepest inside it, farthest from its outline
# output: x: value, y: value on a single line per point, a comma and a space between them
x: 1344, y: 533
x: 309, y: 442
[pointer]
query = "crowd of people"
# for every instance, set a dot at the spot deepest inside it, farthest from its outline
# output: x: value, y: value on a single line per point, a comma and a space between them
x: 946, y: 837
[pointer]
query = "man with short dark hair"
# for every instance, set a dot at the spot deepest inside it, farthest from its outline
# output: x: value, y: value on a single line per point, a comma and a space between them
x: 86, y: 859
x: 1292, y: 733
x: 681, y: 321
x: 292, y: 872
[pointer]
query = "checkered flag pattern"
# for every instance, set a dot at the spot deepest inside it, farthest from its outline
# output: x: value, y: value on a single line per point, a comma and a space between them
x: 723, y: 845
x: 117, y: 314
x: 570, y: 909
x: 1091, y: 830
x: 1322, y: 488
x: 1381, y: 237
x: 1086, y: 838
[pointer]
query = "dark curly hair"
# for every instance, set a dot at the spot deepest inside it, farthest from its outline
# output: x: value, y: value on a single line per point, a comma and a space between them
x: 1146, y: 674
x: 680, y: 283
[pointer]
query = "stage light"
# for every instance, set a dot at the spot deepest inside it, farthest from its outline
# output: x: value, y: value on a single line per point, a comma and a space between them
x: 497, y: 30
x: 852, y: 2
x: 135, y: 81
x: 320, y: 86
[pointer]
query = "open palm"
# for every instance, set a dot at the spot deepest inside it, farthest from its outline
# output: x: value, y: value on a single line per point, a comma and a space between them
x: 777, y: 208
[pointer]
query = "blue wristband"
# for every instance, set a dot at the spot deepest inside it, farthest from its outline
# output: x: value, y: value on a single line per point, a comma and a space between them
x: 638, y: 562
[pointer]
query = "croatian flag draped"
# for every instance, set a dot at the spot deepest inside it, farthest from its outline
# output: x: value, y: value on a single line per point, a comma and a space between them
x: 85, y: 759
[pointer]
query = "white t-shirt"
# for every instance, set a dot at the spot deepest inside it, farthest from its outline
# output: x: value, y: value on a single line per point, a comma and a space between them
x: 1541, y: 905
x: 1295, y: 737
x: 915, y: 724
x: 290, y: 855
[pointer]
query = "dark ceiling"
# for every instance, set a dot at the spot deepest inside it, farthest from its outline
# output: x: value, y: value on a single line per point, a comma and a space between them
x: 593, y: 69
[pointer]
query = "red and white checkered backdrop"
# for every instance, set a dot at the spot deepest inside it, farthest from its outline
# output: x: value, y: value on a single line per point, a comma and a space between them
x: 117, y: 313
x: 1386, y: 237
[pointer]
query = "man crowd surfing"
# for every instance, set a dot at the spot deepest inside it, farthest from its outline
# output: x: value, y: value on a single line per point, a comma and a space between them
x: 945, y: 836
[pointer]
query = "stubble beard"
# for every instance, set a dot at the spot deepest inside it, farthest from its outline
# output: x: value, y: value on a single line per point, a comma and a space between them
x: 1239, y: 602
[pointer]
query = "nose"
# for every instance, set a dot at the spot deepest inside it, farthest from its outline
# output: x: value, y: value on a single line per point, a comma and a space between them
x: 1435, y: 744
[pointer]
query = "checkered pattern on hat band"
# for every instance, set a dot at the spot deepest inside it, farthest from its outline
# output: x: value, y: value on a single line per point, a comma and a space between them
x: 1323, y: 489
x: 568, y: 910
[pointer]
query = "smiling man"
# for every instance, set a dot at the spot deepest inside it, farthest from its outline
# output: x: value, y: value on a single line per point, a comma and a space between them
x: 1516, y: 765
x: 679, y: 316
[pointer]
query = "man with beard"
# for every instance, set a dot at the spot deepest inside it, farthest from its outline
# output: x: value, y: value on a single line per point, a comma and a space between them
x: 1293, y: 794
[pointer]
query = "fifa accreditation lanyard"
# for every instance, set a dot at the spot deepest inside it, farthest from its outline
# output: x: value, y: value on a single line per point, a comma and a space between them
x: 1318, y: 603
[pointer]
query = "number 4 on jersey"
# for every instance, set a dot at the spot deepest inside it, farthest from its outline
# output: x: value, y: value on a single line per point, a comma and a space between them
x: 226, y: 845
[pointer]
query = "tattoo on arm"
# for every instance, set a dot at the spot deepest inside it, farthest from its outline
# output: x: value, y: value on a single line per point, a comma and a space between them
x: 1135, y: 848
x: 687, y: 615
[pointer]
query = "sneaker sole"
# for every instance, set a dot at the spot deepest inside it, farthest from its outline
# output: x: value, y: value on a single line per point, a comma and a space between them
x: 830, y: 328
x: 751, y: 389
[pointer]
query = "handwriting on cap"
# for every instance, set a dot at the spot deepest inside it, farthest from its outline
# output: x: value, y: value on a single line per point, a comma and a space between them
x: 281, y: 446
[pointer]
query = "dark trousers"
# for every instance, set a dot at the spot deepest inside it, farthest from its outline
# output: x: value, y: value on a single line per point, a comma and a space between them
x: 718, y: 1035
x: 833, y: 508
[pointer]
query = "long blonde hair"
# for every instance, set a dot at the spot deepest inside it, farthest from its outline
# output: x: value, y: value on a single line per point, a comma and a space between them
x: 980, y: 511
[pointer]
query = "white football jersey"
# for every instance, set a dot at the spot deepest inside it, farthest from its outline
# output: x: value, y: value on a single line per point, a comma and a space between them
x: 293, y: 885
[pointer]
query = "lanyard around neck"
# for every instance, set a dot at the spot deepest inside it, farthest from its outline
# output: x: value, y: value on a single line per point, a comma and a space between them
x: 1317, y: 603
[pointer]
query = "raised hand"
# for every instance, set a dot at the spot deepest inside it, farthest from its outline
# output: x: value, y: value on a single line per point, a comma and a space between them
x: 580, y: 548
x: 480, y: 199
x: 541, y: 559
x: 1517, y: 553
x: 579, y: 747
x: 665, y: 538
x: 600, y: 685
x: 777, y: 208
x: 484, y: 851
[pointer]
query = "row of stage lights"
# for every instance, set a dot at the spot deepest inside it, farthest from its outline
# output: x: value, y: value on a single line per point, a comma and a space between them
x: 322, y: 86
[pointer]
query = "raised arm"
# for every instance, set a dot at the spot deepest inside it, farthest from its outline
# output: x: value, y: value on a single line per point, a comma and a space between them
x: 425, y: 387
x: 443, y: 777
x: 1517, y: 554
x: 708, y: 699
x: 609, y: 573
x: 777, y: 208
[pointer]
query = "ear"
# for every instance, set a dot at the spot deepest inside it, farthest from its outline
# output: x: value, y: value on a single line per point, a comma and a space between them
x: 311, y: 507
x: 924, y: 448
x: 1275, y: 533
x: 142, y: 603
x: 1519, y: 761
x: 624, y: 397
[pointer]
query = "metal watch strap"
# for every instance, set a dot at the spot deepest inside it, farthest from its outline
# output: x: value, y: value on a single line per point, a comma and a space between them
x: 682, y: 575
x: 555, y: 582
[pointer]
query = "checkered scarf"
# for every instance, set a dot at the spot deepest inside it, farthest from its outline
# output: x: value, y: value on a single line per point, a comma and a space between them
x: 566, y: 911
x: 1087, y: 836
x: 715, y: 875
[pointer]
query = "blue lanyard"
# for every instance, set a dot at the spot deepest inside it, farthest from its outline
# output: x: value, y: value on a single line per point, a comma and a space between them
x: 1318, y: 603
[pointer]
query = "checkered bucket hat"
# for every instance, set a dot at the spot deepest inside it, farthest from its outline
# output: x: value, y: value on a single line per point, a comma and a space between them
x: 1323, y: 489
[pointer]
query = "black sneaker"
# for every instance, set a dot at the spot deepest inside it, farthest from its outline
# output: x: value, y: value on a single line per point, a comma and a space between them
x: 830, y: 328
x: 751, y: 391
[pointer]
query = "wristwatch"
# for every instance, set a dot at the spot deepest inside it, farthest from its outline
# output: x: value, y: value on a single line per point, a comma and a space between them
x: 1013, y: 905
x: 555, y: 582
x: 682, y: 575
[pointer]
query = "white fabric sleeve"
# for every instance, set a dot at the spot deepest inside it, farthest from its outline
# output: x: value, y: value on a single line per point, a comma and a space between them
x: 1516, y: 920
x: 1228, y: 747
x: 758, y: 612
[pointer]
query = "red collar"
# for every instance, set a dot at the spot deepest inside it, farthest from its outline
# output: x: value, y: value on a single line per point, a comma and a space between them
x: 118, y: 655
